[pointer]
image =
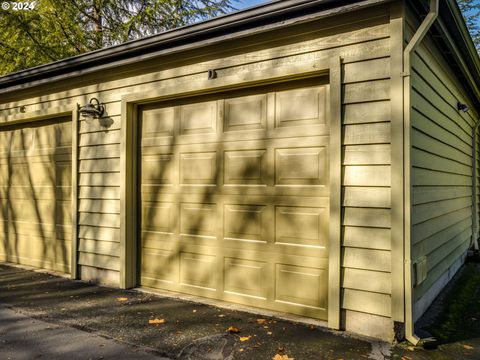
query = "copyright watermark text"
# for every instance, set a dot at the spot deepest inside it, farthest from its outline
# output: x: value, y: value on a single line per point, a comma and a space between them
x: 19, y: 6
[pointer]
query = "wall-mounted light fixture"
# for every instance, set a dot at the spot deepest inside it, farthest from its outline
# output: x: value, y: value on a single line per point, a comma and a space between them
x: 211, y: 74
x: 462, y: 107
x: 94, y: 109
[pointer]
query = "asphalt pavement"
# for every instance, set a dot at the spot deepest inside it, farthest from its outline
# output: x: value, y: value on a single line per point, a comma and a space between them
x: 25, y: 338
x: 43, y: 316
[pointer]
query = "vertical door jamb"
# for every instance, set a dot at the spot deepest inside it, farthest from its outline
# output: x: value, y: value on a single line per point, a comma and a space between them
x: 74, y: 195
x: 334, y: 244
x: 128, y: 189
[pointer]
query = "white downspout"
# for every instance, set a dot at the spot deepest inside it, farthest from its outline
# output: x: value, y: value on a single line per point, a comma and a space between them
x: 411, y: 46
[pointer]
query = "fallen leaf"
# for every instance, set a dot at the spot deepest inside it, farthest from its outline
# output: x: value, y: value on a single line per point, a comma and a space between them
x: 269, y: 333
x: 245, y: 338
x: 122, y: 299
x: 261, y: 321
x: 282, y: 357
x: 411, y: 348
x: 311, y: 327
x: 240, y: 350
x: 194, y: 311
x: 406, y: 358
x: 156, y: 321
x: 233, y: 330
x: 221, y: 315
x: 468, y: 347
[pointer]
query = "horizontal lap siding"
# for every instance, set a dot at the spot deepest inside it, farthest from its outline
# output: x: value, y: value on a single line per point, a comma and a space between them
x: 99, y: 194
x: 365, y: 52
x: 366, y: 180
x: 441, y: 169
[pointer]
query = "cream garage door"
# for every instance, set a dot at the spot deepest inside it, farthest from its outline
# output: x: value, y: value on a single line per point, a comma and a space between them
x: 235, y: 197
x: 35, y: 187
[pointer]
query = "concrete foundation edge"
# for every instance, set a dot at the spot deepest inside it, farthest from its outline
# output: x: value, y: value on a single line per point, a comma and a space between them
x: 422, y: 304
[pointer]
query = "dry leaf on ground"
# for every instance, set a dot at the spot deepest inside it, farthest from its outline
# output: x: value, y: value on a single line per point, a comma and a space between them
x: 261, y: 321
x: 156, y: 321
x: 122, y: 299
x: 233, y: 330
x: 282, y: 357
x: 468, y: 347
x: 245, y: 338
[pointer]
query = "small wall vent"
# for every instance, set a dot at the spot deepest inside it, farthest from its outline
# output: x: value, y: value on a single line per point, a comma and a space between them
x: 420, y: 267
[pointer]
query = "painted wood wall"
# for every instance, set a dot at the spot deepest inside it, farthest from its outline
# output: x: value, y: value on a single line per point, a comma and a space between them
x: 441, y: 160
x: 363, y: 42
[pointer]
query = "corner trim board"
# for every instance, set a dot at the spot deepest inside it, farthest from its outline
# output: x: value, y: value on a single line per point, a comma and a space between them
x: 397, y: 161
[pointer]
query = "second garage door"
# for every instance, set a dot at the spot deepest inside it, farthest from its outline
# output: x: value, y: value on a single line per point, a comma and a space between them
x: 235, y: 196
x: 35, y: 194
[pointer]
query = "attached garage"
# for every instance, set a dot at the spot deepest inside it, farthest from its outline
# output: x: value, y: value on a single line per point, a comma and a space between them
x: 235, y: 196
x: 310, y: 157
x: 35, y: 200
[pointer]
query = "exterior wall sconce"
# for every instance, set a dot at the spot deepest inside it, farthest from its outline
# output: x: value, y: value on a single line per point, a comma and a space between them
x: 94, y: 109
x: 212, y: 74
x: 462, y: 107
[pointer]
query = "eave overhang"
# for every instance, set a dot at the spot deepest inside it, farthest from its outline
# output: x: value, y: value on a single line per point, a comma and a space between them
x: 248, y: 22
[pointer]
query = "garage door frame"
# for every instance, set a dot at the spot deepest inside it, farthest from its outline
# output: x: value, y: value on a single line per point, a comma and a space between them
x: 129, y: 158
x: 52, y: 113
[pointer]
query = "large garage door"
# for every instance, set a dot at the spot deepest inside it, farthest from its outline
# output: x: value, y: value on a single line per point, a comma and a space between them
x: 235, y: 197
x: 35, y: 187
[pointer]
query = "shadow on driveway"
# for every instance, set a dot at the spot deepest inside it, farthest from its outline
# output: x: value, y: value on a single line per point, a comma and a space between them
x: 186, y: 330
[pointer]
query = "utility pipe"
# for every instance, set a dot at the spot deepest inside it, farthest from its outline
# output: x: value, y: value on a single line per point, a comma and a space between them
x: 411, y: 46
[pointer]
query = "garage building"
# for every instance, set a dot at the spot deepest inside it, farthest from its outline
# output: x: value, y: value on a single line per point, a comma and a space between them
x: 317, y: 158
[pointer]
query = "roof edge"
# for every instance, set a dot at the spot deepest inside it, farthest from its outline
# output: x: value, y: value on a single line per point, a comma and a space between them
x: 111, y: 56
x: 463, y: 41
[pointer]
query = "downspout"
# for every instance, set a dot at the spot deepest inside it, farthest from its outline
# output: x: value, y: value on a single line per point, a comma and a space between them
x: 411, y: 46
x: 474, y: 241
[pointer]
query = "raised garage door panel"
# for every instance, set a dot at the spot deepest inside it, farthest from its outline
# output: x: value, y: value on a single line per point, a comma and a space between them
x: 235, y: 197
x: 35, y: 183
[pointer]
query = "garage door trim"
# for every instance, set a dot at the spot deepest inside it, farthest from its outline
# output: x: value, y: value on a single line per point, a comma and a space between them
x: 52, y: 113
x: 129, y: 151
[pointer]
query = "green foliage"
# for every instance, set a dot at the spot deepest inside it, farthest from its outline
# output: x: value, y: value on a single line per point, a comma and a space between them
x: 458, y: 319
x: 471, y: 13
x: 57, y: 29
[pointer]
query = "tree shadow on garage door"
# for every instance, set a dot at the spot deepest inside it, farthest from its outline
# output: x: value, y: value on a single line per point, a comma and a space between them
x: 230, y: 210
x: 37, y: 191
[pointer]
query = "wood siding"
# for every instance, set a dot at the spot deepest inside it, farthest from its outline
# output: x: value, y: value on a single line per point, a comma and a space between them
x: 363, y: 43
x: 441, y: 163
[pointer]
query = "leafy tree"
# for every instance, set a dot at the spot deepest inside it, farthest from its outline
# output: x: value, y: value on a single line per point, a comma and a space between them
x: 56, y: 29
x: 471, y: 13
